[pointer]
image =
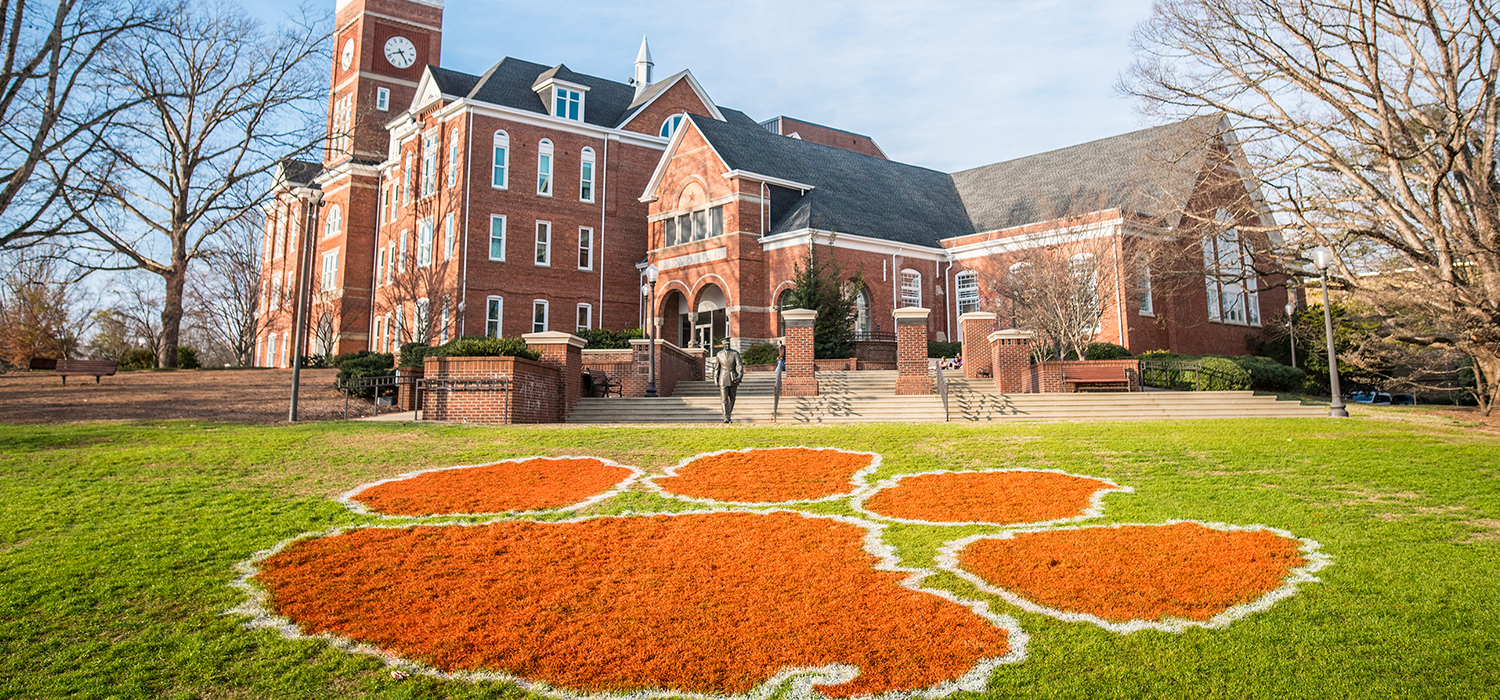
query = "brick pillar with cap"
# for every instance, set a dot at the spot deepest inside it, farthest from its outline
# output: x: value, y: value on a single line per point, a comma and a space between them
x: 912, y: 378
x: 974, y: 328
x: 800, y: 378
x: 565, y: 351
x: 1010, y: 359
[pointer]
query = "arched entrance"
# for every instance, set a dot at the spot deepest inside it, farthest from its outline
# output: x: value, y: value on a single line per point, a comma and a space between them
x: 675, y: 327
x: 711, y: 320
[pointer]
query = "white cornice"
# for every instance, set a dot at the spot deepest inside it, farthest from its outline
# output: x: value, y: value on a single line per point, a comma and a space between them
x: 849, y: 241
x: 346, y: 168
x: 391, y: 18
x: 371, y: 76
x: 1025, y: 241
x: 631, y: 138
x: 789, y: 184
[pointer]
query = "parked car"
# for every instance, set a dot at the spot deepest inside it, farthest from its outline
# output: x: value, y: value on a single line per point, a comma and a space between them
x: 1381, y: 398
x: 1403, y: 399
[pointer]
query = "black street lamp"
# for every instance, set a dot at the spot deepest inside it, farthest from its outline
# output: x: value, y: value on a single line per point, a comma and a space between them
x: 311, y: 199
x: 649, y: 290
x: 1323, y: 259
x: 1291, y: 326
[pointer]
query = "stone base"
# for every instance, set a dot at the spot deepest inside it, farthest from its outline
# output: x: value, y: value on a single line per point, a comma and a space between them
x: 913, y: 386
x: 799, y: 387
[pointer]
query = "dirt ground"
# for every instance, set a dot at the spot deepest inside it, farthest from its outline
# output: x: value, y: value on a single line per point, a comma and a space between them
x: 229, y: 396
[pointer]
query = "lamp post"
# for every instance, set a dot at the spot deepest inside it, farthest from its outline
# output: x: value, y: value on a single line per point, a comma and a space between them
x: 311, y: 199
x: 649, y: 290
x: 1291, y: 327
x: 1323, y: 259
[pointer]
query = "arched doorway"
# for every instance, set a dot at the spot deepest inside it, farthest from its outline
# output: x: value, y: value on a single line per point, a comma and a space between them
x: 675, y: 327
x: 711, y: 323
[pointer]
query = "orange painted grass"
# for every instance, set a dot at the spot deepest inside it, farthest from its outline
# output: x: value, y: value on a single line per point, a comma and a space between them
x: 1137, y: 572
x: 1007, y: 498
x: 767, y: 476
x: 531, y: 484
x: 711, y: 603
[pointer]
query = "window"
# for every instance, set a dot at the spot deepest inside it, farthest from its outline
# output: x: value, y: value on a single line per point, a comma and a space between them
x: 700, y: 225
x: 669, y: 126
x: 1143, y: 289
x: 862, y: 316
x: 453, y: 161
x: 1229, y: 276
x: 430, y: 145
x: 911, y: 289
x: 586, y: 176
x: 271, y: 350
x: 330, y: 270
x: 389, y: 336
x: 716, y: 221
x: 448, y: 236
x: 967, y: 284
x: 1083, y: 268
x: 539, y: 316
x: 280, y: 235
x: 406, y: 181
x: 567, y: 103
x: 422, y: 322
x: 443, y: 325
x: 398, y: 335
x: 544, y: 243
x: 390, y: 262
x: 585, y: 248
x: 492, y: 309
x: 424, y: 242
x: 497, y: 237
x: 544, y: 168
x: 502, y: 160
x: 276, y: 300
x: 669, y: 232
x: 378, y: 337
x: 401, y: 253
x: 383, y: 204
x: 585, y: 317
x: 335, y: 222
x: 383, y: 99
x: 379, y: 267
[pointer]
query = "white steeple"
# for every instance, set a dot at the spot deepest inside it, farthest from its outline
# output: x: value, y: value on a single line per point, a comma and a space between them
x: 643, y: 65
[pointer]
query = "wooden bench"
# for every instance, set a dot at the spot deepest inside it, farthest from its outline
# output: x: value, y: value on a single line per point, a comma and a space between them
x: 85, y: 368
x: 42, y: 363
x: 599, y: 381
x: 1109, y: 378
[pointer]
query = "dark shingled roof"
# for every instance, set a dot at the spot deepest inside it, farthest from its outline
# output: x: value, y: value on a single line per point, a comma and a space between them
x: 1149, y: 172
x: 452, y: 82
x: 299, y: 172
x: 853, y: 193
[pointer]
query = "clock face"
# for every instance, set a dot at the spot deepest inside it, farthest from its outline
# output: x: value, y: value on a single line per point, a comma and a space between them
x: 400, y: 52
x: 348, y: 56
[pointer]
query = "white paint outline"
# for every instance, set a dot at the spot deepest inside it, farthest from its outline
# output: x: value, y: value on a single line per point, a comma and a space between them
x: 347, y: 497
x: 1095, y: 507
x: 798, y: 681
x: 948, y: 554
x: 859, y: 480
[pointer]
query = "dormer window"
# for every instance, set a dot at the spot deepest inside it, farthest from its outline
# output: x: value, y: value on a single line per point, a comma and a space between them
x: 669, y: 126
x: 567, y: 103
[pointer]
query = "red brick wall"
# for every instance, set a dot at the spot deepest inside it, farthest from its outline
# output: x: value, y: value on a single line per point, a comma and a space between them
x: 533, y: 397
x: 1047, y: 377
x: 830, y: 137
x: 911, y: 358
x: 568, y: 359
x: 974, y: 332
x: 800, y: 378
x: 1010, y: 361
x: 677, y: 99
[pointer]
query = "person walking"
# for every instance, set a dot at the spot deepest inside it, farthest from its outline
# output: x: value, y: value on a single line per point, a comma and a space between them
x: 729, y: 369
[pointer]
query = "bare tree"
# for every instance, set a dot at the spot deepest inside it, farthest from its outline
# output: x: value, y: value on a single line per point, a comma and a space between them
x: 1371, y: 126
x: 1052, y: 291
x: 39, y: 312
x: 53, y: 100
x: 225, y: 294
x: 224, y: 100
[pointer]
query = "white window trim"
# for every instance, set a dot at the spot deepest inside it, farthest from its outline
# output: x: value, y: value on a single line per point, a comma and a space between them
x: 426, y: 236
x: 546, y: 315
x: 545, y: 177
x: 383, y: 99
x: 498, y: 319
x: 334, y: 224
x: 330, y: 271
x: 502, y: 140
x: 546, y: 252
x: 589, y: 248
x: 584, y: 310
x: 586, y: 164
x: 448, y: 236
x: 918, y: 276
x: 501, y: 218
x: 453, y: 160
x: 1144, y: 297
x: 961, y: 295
x: 670, y: 126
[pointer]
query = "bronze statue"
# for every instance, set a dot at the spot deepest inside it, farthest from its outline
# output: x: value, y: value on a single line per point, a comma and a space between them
x: 729, y: 369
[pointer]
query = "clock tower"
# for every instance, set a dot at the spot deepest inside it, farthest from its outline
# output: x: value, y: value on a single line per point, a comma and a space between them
x: 381, y: 49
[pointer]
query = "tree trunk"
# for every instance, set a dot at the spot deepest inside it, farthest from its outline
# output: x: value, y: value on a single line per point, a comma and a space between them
x: 171, y: 316
x: 1486, y: 382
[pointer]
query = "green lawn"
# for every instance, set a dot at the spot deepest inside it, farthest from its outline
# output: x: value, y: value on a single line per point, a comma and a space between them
x: 118, y: 541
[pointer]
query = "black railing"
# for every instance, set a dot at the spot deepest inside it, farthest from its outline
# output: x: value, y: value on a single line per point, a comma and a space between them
x: 1182, y: 375
x: 378, y: 387
x: 889, y: 336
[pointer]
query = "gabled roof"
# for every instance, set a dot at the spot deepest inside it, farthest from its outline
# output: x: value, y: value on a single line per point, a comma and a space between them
x: 509, y: 84
x: 655, y: 90
x: 452, y: 82
x: 298, y: 173
x: 1150, y: 172
x: 852, y: 192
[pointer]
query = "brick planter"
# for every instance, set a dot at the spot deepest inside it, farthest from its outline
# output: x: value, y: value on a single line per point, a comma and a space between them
x: 533, y: 395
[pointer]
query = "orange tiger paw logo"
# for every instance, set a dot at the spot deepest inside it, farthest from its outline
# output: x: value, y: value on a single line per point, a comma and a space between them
x: 750, y: 593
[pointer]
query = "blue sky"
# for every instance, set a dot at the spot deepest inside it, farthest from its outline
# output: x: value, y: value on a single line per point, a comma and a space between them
x: 947, y: 85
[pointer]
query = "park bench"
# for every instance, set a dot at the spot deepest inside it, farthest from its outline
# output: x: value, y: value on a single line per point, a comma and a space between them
x: 1107, y: 378
x: 42, y: 363
x: 599, y: 381
x: 85, y: 368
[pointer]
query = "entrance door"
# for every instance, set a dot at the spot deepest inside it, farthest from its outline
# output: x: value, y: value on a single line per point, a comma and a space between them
x: 704, y: 334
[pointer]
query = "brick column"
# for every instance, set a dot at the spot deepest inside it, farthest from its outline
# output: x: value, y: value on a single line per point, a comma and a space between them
x: 801, y: 378
x: 1010, y: 359
x: 564, y: 351
x: 973, y: 331
x: 911, y: 352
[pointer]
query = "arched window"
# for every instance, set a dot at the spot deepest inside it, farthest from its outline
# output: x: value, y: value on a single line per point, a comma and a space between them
x: 586, y: 176
x: 1085, y: 273
x: 669, y: 126
x: 862, y: 316
x: 967, y: 285
x: 335, y: 222
x: 500, y: 177
x: 544, y: 168
x: 911, y: 289
x: 783, y: 302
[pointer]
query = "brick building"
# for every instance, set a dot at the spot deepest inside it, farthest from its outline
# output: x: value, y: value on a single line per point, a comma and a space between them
x: 529, y: 198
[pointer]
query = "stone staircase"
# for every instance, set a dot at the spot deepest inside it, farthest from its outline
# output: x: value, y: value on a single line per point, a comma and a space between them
x: 870, y: 397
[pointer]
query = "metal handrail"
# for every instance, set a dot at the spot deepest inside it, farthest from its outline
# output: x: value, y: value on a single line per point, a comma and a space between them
x: 347, y: 384
x: 776, y: 393
x: 942, y: 387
